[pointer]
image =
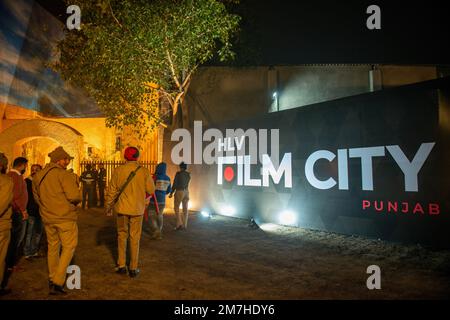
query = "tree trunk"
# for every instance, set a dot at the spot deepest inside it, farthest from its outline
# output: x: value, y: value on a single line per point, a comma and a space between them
x: 180, y: 117
x: 174, y: 124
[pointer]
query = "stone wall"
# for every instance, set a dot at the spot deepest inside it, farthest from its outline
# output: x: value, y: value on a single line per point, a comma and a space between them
x: 27, y: 130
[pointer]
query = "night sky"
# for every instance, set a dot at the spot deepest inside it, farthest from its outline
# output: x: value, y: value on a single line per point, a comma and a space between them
x: 272, y: 33
x: 325, y: 31
x: 27, y: 35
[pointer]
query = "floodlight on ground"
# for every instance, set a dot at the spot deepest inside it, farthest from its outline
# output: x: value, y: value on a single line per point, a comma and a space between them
x: 269, y: 227
x: 205, y: 214
x: 228, y: 210
x: 287, y: 217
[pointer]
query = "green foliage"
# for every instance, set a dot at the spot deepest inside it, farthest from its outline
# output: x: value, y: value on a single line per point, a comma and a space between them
x: 123, y: 44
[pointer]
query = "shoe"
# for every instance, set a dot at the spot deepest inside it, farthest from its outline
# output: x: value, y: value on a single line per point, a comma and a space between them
x: 121, y: 270
x: 28, y: 257
x: 156, y: 236
x: 57, y: 290
x: 5, y: 291
x: 50, y: 284
x: 179, y: 228
x: 134, y: 273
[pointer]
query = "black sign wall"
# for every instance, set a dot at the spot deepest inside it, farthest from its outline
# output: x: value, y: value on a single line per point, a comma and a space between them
x: 375, y: 165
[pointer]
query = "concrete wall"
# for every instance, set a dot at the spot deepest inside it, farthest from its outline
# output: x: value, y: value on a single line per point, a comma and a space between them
x: 394, y: 76
x: 95, y: 134
x: 444, y: 125
x: 299, y: 86
x: 224, y: 93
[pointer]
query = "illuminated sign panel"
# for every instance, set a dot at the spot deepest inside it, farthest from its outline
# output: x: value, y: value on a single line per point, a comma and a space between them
x: 375, y: 165
x: 409, y: 168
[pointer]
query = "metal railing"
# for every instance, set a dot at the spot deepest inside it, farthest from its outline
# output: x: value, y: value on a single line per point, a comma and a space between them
x: 111, y: 165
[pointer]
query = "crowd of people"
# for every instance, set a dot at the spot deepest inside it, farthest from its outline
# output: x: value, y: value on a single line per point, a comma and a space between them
x: 93, y: 184
x: 49, y: 200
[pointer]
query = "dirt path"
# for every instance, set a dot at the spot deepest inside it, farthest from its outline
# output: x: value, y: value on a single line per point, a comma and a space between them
x: 224, y: 259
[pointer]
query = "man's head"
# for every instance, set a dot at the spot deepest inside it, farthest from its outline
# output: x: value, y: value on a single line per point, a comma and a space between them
x: 60, y: 157
x: 183, y: 166
x: 100, y: 165
x: 3, y: 163
x: 88, y: 167
x: 131, y: 154
x: 20, y: 164
x: 35, y: 168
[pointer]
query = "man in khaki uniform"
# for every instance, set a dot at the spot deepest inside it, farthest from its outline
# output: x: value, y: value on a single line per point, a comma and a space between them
x: 129, y: 205
x: 6, y: 197
x: 56, y: 191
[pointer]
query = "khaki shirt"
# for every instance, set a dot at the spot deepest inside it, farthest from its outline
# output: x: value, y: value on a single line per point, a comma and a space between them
x: 181, y: 180
x: 132, y: 200
x: 6, y: 197
x: 57, y: 195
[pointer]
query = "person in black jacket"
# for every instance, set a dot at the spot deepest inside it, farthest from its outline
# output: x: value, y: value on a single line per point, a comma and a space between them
x: 88, y: 178
x: 101, y: 181
x: 181, y: 189
x: 34, y: 225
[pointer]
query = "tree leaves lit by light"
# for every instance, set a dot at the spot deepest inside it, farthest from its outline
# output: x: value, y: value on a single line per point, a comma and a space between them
x: 124, y: 44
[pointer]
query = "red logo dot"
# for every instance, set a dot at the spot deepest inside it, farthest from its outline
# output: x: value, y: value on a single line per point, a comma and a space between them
x: 228, y: 174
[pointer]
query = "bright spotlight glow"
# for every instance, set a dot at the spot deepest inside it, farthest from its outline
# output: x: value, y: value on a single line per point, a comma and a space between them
x: 287, y: 217
x: 228, y: 210
x: 269, y: 227
x: 274, y: 95
x: 205, y: 214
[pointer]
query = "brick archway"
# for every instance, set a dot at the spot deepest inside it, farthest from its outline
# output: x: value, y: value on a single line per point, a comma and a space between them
x: 64, y: 135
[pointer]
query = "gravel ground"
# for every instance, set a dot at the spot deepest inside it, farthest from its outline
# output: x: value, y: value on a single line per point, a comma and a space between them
x: 222, y: 258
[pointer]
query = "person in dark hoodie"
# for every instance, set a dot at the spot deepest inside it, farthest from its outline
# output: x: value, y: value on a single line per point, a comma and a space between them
x: 162, y: 188
x: 35, y: 227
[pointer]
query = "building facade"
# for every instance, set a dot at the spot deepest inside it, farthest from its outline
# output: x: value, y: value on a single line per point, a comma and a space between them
x: 31, y: 134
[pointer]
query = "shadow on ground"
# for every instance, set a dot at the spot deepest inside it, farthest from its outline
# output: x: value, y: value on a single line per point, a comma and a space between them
x: 222, y: 258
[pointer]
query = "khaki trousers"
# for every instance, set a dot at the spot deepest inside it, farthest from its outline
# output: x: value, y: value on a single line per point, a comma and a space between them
x: 65, y: 235
x: 181, y: 196
x: 5, y: 236
x: 128, y: 226
x: 156, y: 221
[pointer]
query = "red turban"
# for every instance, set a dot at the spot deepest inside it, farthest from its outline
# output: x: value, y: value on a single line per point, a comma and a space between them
x: 131, y: 154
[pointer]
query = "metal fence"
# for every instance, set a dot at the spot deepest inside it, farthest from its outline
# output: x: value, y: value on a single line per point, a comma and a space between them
x: 111, y: 165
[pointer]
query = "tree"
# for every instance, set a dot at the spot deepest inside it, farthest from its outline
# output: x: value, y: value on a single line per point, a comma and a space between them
x: 128, y: 48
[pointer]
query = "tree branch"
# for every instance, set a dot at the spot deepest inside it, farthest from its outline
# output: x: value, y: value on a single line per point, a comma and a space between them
x: 188, y: 78
x: 172, y: 69
x: 114, y: 17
